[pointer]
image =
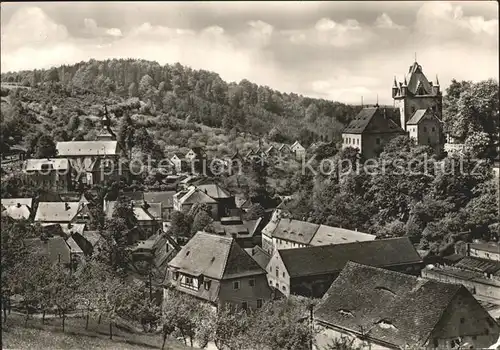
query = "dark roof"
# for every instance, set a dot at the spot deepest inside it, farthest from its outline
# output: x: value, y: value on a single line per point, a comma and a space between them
x: 166, y: 198
x: 396, y: 308
x: 55, y: 248
x: 421, y: 114
x: 478, y: 264
x: 259, y: 255
x: 363, y: 122
x: 332, y: 258
x: 216, y: 257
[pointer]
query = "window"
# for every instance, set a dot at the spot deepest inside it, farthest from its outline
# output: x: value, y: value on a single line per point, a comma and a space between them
x: 283, y: 288
x: 207, y: 284
x: 175, y: 276
x: 236, y: 285
x: 358, y: 141
x: 244, y: 305
x: 433, y: 129
x: 283, y: 273
x: 462, y: 320
x: 425, y: 129
x: 277, y: 271
x: 259, y: 303
x: 428, y: 140
x: 251, y: 282
x: 377, y: 141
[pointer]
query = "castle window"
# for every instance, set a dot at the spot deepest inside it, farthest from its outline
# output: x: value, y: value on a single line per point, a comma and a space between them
x: 377, y: 141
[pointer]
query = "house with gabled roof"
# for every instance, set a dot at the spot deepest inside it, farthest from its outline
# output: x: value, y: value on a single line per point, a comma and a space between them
x: 288, y: 233
x: 185, y: 199
x: 148, y: 218
x: 217, y: 270
x: 176, y: 160
x: 49, y: 173
x: 165, y: 198
x: 369, y: 131
x: 56, y: 249
x: 310, y: 271
x: 426, y: 129
x: 223, y: 197
x: 62, y: 212
x: 382, y: 309
x: 17, y: 212
x: 15, y: 201
x: 298, y: 150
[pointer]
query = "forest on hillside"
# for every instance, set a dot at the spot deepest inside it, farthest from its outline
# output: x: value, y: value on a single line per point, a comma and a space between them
x: 195, y: 95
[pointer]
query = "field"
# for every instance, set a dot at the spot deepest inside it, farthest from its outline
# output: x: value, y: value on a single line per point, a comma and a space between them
x: 50, y: 336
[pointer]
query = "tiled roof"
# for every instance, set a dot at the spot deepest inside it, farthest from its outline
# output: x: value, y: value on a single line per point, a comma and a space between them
x: 335, y: 235
x: 479, y: 265
x: 69, y: 229
x: 14, y: 201
x: 47, y: 164
x: 259, y: 255
x: 214, y: 191
x: 55, y: 248
x: 332, y: 258
x: 73, y: 246
x: 295, y: 230
x: 166, y: 198
x: 193, y: 195
x: 87, y: 148
x: 17, y: 212
x: 92, y: 236
x: 57, y: 211
x: 362, y: 123
x: 417, y: 116
x: 392, y: 307
x: 216, y: 257
x: 154, y: 209
x: 134, y: 196
x: 143, y: 215
x: 416, y: 80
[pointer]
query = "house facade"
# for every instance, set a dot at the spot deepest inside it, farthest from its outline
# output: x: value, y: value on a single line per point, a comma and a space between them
x: 217, y: 270
x: 425, y: 128
x: 287, y: 233
x: 93, y: 162
x: 382, y: 309
x: 369, y: 131
x: 298, y: 150
x: 184, y: 200
x: 310, y: 271
x: 53, y: 174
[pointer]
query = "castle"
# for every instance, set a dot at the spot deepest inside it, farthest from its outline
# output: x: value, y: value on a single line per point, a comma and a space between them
x: 419, y: 102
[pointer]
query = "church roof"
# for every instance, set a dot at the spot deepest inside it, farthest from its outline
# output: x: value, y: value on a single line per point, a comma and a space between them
x: 417, y: 80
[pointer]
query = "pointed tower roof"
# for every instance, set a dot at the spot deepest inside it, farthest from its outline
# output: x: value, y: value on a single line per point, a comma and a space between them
x: 395, y: 83
x: 437, y: 80
x: 405, y: 83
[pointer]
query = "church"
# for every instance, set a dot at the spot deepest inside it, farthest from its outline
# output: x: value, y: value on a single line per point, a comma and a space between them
x: 419, y: 103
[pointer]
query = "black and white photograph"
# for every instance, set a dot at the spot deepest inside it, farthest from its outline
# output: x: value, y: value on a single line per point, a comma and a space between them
x: 250, y: 175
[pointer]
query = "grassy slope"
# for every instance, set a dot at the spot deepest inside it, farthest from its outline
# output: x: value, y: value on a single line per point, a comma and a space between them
x: 50, y: 336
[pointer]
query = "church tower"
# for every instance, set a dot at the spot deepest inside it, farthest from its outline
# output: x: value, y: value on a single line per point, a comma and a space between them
x: 416, y: 92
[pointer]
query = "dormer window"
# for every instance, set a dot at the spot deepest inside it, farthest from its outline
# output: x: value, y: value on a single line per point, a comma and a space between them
x: 207, y: 284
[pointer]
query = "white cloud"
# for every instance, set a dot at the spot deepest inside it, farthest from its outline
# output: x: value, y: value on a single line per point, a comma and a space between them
x: 384, y: 21
x: 93, y: 29
x: 446, y: 20
x: 30, y: 26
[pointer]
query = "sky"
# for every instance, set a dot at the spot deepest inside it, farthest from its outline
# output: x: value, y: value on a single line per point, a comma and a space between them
x: 334, y: 50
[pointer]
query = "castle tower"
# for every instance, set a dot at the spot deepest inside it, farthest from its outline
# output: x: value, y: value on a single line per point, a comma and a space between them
x: 415, y: 93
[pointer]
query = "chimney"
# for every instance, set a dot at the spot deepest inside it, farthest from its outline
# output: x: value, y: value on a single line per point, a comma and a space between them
x: 66, y: 206
x: 70, y: 225
x: 18, y: 205
x: 253, y: 251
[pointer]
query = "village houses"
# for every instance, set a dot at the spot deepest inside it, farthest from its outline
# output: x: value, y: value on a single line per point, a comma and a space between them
x: 51, y: 173
x: 381, y: 309
x: 217, y: 270
x: 310, y: 271
x: 287, y: 233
